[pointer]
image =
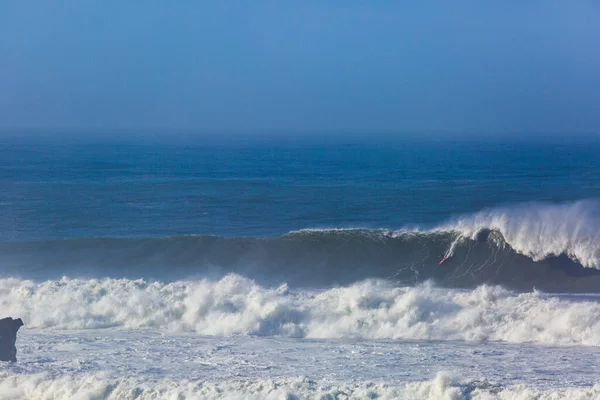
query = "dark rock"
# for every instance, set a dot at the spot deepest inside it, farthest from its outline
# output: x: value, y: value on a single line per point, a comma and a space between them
x: 8, y: 336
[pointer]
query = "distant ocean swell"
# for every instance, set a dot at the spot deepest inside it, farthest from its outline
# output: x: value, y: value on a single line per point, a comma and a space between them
x: 103, y: 387
x: 372, y: 309
x: 549, y: 247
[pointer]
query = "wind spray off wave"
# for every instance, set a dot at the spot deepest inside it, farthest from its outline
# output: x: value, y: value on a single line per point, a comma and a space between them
x: 540, y: 231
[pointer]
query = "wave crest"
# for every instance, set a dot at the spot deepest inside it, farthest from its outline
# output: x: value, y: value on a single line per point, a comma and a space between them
x: 554, y: 248
x: 540, y: 231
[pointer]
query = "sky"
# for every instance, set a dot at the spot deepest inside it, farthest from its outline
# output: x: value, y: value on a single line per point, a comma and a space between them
x: 432, y: 66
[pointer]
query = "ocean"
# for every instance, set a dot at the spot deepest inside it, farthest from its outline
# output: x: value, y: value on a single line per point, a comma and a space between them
x: 300, y: 267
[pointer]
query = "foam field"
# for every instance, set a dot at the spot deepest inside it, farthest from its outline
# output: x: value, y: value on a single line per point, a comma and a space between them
x: 372, y: 309
x: 150, y: 364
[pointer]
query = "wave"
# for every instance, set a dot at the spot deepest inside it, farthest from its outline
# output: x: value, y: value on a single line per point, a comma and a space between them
x: 101, y: 386
x: 235, y: 305
x: 540, y: 231
x: 549, y: 247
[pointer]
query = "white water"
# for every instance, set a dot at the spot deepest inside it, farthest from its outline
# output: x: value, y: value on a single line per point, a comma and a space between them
x: 442, y: 387
x: 372, y: 309
x: 149, y: 364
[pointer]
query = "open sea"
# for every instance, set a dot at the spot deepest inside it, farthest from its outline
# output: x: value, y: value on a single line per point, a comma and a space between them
x: 300, y: 268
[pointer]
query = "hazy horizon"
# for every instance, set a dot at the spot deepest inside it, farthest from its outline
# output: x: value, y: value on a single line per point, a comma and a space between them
x: 460, y: 69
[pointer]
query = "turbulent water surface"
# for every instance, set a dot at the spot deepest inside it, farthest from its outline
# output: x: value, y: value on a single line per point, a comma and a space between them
x: 301, y: 269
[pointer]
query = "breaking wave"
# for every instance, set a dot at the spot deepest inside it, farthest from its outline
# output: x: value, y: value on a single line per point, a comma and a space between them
x: 373, y: 309
x: 540, y: 231
x: 104, y: 387
x: 551, y: 247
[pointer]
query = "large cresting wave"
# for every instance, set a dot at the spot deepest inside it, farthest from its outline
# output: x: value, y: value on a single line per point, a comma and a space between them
x: 551, y: 247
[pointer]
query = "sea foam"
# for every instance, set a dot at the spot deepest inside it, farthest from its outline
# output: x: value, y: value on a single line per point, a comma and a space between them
x: 234, y: 305
x: 101, y: 386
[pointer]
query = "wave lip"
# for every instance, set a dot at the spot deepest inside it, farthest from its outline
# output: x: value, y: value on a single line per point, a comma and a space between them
x: 540, y: 231
x: 372, y: 309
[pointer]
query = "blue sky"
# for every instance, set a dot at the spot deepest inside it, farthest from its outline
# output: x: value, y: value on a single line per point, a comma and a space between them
x: 469, y: 66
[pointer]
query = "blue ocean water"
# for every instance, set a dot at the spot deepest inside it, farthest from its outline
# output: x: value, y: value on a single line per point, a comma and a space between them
x: 312, y: 212
x: 305, y: 268
x: 56, y: 189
